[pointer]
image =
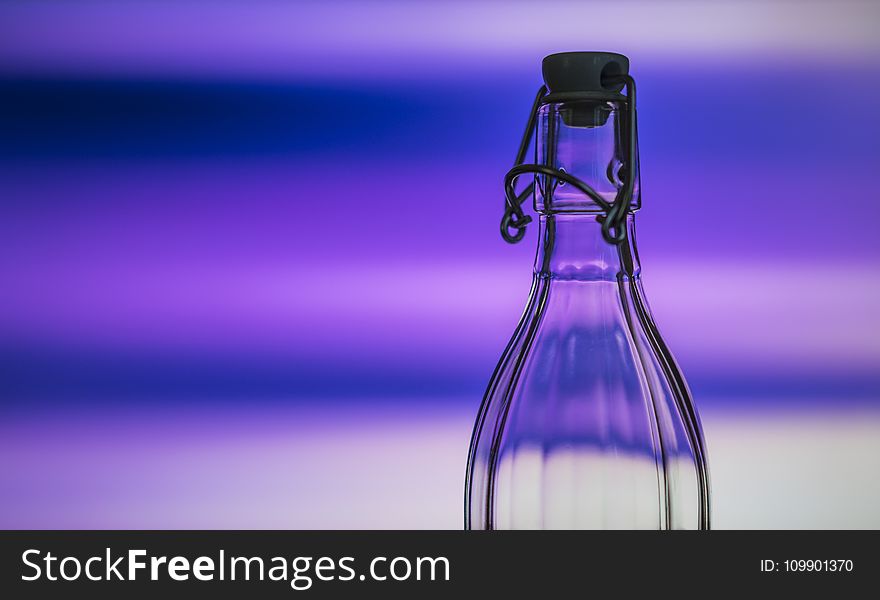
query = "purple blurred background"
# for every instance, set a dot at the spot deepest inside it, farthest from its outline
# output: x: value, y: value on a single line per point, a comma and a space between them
x: 251, y: 270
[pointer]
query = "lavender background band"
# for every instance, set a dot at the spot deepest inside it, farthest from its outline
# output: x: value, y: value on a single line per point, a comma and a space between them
x: 251, y: 274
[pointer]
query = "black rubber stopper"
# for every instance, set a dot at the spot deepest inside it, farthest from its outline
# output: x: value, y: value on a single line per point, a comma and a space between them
x: 583, y: 82
x: 578, y: 72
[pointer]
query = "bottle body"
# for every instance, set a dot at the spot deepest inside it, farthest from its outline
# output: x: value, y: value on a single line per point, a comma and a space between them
x: 587, y: 422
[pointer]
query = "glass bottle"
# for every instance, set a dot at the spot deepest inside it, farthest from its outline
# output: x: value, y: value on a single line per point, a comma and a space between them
x: 587, y: 422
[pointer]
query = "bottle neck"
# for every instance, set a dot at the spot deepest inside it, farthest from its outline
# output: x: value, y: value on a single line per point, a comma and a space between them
x: 571, y: 248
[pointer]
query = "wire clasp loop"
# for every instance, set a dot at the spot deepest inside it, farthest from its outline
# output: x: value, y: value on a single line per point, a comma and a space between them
x: 613, y: 219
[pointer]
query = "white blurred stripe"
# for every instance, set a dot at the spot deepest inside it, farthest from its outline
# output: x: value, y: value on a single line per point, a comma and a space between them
x: 375, y: 468
x: 267, y: 38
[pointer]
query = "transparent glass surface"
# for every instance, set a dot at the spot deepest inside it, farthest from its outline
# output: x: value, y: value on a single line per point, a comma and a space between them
x: 593, y: 154
x: 587, y: 422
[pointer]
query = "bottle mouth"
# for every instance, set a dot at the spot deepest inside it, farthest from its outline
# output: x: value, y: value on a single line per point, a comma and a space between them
x: 581, y: 139
x: 580, y: 88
